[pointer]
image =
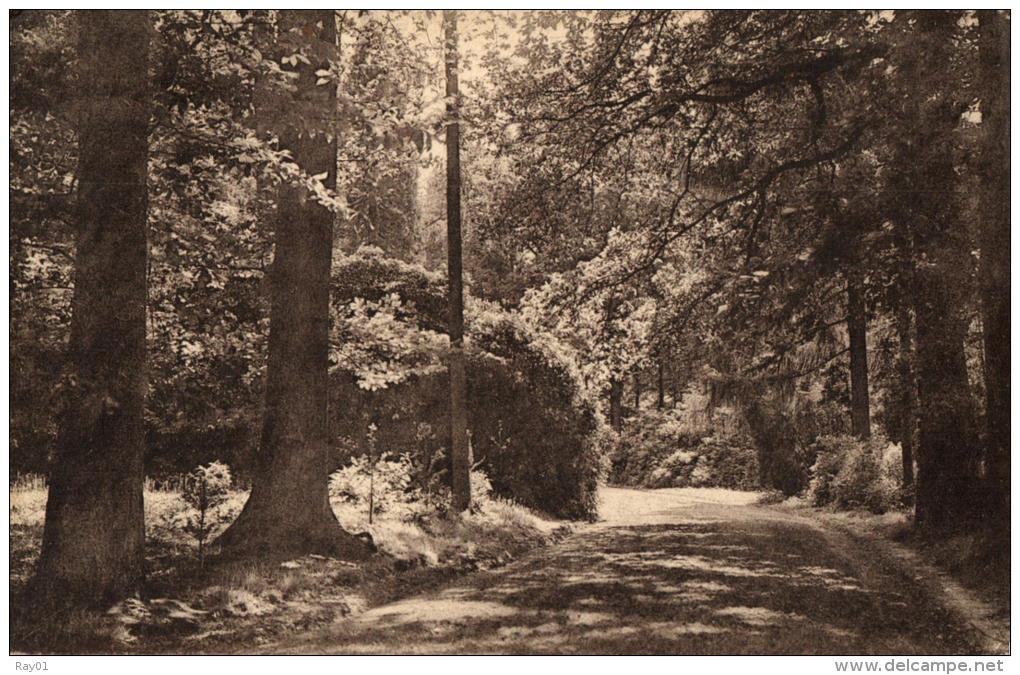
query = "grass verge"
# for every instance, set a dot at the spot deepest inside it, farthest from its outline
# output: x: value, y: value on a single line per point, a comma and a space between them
x: 970, y: 571
x: 230, y: 606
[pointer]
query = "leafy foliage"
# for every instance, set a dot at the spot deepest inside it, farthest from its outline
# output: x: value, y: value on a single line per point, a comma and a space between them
x: 382, y: 485
x: 852, y: 474
x: 206, y: 489
x: 534, y: 427
x: 659, y: 449
x: 647, y: 194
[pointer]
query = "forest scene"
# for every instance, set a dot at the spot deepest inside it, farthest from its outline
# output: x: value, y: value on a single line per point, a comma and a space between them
x: 509, y: 332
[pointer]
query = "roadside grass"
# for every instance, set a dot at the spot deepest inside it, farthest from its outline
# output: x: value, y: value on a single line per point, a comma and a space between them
x: 977, y: 561
x: 980, y: 561
x: 226, y: 606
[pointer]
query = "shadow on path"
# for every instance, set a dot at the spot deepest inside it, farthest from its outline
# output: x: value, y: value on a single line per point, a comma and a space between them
x: 693, y: 578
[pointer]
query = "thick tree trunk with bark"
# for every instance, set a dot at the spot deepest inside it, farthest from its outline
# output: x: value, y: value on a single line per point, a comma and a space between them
x: 946, y: 498
x: 993, y: 45
x: 857, y: 327
x: 947, y: 461
x: 461, y: 460
x: 93, y: 542
x: 288, y: 510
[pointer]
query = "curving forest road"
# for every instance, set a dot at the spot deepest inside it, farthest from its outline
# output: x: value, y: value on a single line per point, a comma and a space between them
x: 670, y: 572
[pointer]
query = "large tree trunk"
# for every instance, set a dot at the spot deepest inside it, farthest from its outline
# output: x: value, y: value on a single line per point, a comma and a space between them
x: 944, y: 496
x: 907, y: 394
x: 857, y: 327
x: 288, y: 510
x: 947, y: 461
x: 926, y: 183
x: 993, y: 273
x: 93, y: 541
x: 461, y: 463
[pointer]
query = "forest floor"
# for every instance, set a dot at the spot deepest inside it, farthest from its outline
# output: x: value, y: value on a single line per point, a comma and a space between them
x: 224, y: 606
x: 681, y: 571
x: 672, y: 571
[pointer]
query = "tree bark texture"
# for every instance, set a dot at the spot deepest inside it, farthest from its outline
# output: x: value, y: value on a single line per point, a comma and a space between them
x: 993, y: 272
x: 461, y: 461
x: 946, y: 498
x: 93, y: 540
x: 947, y: 461
x: 857, y: 327
x: 288, y: 510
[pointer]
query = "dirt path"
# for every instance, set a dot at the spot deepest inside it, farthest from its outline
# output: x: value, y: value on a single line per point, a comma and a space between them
x: 670, y: 572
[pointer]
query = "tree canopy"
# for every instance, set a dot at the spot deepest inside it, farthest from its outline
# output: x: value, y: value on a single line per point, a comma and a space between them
x: 795, y: 222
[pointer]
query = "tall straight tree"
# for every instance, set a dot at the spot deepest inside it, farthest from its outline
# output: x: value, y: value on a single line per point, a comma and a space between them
x: 857, y: 327
x: 994, y: 72
x: 289, y: 509
x: 458, y: 379
x: 93, y: 541
x: 907, y: 392
x: 925, y: 186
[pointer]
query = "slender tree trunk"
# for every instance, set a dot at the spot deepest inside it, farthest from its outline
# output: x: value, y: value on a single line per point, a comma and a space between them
x: 908, y: 394
x: 289, y: 509
x: 660, y: 402
x: 637, y: 392
x: 458, y: 378
x: 616, y: 404
x: 674, y: 387
x: 993, y: 273
x: 93, y: 540
x: 857, y: 327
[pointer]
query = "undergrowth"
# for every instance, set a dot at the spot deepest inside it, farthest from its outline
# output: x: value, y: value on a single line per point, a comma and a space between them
x: 190, y: 607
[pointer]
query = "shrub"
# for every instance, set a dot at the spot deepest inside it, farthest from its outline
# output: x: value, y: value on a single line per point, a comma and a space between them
x: 206, y: 488
x: 382, y: 486
x: 783, y: 457
x: 729, y: 462
x: 892, y: 469
x: 660, y: 449
x: 830, y: 452
x: 853, y: 474
x: 534, y: 430
x: 534, y: 427
x: 858, y: 483
x: 770, y: 497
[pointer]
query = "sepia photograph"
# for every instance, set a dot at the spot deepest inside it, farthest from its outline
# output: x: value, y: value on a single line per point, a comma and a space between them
x: 509, y: 332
